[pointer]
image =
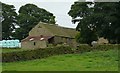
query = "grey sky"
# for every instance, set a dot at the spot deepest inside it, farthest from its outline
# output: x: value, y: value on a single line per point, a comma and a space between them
x: 59, y: 8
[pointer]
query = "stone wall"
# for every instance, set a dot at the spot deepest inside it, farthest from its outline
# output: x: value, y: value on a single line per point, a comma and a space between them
x: 33, y: 44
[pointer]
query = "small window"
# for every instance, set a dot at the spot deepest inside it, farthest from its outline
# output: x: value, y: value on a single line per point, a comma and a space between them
x: 34, y: 43
x: 31, y: 39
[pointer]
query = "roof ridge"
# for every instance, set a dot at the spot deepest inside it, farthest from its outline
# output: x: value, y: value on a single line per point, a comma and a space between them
x: 50, y: 24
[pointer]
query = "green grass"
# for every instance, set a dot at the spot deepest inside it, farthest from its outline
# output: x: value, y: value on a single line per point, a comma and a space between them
x: 89, y: 61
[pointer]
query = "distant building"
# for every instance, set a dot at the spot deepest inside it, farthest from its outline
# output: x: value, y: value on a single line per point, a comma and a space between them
x: 43, y: 35
x: 10, y: 43
x: 102, y: 41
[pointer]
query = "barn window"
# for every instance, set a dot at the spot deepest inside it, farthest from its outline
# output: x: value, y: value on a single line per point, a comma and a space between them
x: 31, y: 39
x: 34, y: 43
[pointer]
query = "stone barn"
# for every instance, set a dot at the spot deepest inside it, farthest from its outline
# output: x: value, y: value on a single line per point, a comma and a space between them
x: 44, y: 34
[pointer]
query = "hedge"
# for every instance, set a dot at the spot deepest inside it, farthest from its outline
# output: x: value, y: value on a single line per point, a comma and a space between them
x: 46, y: 52
x: 34, y: 54
x: 82, y: 48
x: 104, y: 47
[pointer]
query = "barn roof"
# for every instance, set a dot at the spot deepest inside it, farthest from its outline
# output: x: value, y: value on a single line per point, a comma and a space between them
x: 56, y: 30
x: 36, y: 38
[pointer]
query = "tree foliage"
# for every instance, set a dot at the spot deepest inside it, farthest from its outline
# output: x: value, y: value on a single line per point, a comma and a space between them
x: 8, y: 20
x: 96, y: 20
x: 29, y: 16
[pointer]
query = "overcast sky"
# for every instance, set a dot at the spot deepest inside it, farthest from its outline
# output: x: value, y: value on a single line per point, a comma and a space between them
x: 59, y: 8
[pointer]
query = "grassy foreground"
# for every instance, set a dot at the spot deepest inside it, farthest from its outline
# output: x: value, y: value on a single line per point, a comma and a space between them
x: 89, y: 61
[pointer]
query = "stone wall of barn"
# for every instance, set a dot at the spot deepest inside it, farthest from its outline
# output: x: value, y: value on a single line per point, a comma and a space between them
x: 57, y: 40
x: 33, y: 44
x: 65, y: 40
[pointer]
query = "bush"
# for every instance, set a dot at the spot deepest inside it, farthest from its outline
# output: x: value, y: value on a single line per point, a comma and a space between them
x: 35, y: 54
x: 86, y: 48
x: 83, y: 48
x: 106, y: 47
x: 46, y: 52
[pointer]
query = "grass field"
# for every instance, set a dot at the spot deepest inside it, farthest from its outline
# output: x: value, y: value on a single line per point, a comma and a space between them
x: 89, y: 61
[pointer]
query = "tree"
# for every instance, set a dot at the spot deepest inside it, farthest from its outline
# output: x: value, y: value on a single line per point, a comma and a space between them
x: 83, y: 12
x: 96, y: 20
x: 110, y: 20
x: 29, y: 16
x: 0, y: 21
x: 8, y: 20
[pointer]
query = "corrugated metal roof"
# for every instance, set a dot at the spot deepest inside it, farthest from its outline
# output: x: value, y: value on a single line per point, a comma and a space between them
x: 36, y: 38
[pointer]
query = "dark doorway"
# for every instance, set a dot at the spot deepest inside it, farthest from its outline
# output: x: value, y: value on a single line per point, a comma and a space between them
x: 51, y: 40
